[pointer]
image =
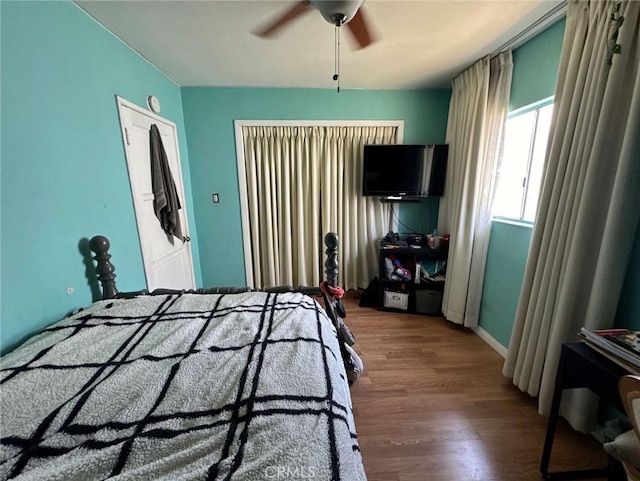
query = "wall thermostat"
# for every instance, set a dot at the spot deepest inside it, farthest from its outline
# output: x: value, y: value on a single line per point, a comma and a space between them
x: 153, y: 103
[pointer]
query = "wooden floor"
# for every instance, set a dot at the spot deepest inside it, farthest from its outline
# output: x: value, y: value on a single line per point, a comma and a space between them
x: 433, y: 405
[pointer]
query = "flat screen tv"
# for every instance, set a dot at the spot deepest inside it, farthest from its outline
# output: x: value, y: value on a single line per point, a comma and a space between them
x: 404, y: 170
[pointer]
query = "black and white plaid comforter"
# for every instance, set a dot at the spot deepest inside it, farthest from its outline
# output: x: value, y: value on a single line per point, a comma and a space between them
x: 243, y: 386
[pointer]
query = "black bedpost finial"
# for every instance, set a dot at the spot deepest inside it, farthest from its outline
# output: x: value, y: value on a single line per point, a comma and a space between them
x: 105, y: 270
x: 331, y: 264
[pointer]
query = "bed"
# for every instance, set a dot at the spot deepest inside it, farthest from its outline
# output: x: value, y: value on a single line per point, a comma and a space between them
x: 220, y: 384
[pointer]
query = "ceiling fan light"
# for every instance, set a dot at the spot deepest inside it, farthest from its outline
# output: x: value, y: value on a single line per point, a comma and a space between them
x: 337, y: 12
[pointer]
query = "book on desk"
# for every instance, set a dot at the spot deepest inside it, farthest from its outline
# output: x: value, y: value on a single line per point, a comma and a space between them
x: 619, y: 345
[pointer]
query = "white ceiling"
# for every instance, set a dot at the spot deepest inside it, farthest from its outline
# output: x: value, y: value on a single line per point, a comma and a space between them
x: 422, y: 43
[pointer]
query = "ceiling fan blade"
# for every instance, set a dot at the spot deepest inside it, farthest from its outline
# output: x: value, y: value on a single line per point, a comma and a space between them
x: 358, y: 27
x: 272, y: 28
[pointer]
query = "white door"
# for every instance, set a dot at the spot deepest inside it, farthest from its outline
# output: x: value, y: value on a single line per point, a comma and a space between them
x: 167, y: 260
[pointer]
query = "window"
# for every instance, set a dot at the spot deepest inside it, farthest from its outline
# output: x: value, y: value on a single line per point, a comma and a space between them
x: 520, y: 175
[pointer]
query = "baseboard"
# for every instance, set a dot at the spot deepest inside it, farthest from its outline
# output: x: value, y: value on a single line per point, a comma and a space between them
x: 486, y: 337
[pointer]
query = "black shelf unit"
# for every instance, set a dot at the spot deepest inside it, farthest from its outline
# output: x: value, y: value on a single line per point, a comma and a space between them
x: 421, y: 298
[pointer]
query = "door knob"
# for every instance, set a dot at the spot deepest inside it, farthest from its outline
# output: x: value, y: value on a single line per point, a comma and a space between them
x: 186, y: 239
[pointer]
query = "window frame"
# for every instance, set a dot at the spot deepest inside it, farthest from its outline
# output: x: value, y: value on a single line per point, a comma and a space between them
x: 533, y: 107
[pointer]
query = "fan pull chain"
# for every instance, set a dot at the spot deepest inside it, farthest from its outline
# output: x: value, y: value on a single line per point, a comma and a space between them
x: 336, y: 75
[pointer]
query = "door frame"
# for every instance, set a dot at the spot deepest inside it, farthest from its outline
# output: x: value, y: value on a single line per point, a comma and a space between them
x: 242, y: 185
x: 121, y: 104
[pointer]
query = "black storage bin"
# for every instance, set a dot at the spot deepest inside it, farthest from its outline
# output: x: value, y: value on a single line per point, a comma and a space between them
x: 429, y: 301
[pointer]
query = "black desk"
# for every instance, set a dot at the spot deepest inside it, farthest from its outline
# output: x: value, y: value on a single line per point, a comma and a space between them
x: 581, y: 366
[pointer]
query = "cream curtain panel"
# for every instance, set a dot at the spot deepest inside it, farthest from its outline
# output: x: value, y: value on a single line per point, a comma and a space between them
x: 283, y: 192
x: 589, y: 211
x: 477, y: 115
x: 301, y: 183
x: 358, y: 220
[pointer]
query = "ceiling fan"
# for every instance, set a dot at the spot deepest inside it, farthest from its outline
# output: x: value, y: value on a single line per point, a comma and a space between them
x: 338, y: 13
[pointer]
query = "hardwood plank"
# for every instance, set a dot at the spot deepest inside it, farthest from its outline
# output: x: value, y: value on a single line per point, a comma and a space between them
x: 432, y: 404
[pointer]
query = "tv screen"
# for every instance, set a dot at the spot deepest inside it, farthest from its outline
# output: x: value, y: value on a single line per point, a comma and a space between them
x: 404, y: 170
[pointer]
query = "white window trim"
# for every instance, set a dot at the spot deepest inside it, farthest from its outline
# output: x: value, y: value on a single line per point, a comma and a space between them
x: 507, y: 220
x: 527, y: 179
x: 242, y: 186
x: 535, y: 106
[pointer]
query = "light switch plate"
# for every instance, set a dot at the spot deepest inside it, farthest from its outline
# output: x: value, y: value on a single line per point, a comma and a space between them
x: 215, y: 198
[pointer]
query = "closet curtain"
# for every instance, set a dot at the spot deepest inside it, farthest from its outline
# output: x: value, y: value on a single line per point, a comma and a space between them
x: 283, y: 187
x: 303, y: 182
x: 588, y: 210
x: 359, y: 221
x: 477, y: 116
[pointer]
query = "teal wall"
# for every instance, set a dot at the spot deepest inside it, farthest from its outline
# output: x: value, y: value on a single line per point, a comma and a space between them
x: 535, y: 72
x: 209, y: 119
x: 506, y: 260
x: 63, y: 172
x: 535, y: 67
x: 421, y: 217
x: 534, y: 78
